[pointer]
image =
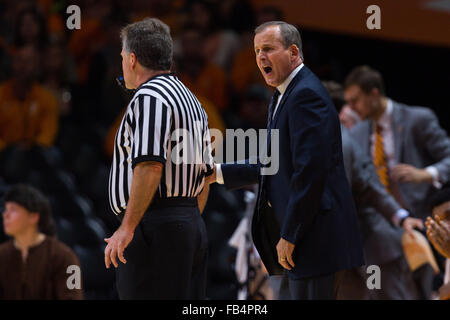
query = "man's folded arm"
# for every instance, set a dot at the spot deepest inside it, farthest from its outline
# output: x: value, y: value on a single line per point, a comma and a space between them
x: 437, y: 143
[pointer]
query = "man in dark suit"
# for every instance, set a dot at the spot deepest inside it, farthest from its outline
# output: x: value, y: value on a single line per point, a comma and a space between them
x: 305, y: 222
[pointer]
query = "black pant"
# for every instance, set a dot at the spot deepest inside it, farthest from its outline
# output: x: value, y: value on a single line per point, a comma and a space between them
x: 167, y: 258
x: 316, y: 288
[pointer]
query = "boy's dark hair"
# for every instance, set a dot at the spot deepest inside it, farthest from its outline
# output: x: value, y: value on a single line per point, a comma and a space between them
x: 34, y: 201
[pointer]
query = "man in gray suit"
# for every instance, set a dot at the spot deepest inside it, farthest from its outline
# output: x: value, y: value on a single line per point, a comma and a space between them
x: 411, y: 153
x: 417, y: 149
x: 379, y: 216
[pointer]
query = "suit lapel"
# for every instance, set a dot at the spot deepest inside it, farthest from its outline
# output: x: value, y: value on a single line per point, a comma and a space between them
x: 301, y: 74
x: 397, y: 128
x: 367, y: 141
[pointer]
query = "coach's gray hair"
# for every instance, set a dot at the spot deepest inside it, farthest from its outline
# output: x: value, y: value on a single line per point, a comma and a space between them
x: 289, y: 34
x: 150, y: 41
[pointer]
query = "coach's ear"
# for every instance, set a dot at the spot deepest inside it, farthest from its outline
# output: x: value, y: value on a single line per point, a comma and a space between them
x: 295, y: 52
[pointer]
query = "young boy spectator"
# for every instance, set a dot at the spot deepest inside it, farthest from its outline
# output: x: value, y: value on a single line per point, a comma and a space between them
x: 34, y: 264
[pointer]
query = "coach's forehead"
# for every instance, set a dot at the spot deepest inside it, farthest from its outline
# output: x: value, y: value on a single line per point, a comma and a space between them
x: 270, y: 34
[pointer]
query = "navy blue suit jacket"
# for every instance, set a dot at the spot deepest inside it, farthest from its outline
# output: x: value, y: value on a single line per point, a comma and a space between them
x: 311, y: 200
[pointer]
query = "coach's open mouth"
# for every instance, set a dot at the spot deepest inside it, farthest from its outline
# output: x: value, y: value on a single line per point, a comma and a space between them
x: 267, y: 70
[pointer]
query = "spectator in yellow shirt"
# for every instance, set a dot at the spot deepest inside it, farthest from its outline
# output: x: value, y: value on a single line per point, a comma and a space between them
x: 28, y: 112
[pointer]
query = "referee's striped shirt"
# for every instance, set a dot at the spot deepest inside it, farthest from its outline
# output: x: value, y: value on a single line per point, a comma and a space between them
x: 163, y: 122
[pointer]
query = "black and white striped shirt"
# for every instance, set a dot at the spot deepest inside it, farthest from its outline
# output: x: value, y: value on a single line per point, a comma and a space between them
x: 163, y: 122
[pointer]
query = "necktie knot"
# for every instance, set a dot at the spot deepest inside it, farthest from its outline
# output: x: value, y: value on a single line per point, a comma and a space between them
x: 379, y: 128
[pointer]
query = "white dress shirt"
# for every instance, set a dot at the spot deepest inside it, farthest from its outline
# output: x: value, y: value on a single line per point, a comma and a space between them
x: 282, y: 87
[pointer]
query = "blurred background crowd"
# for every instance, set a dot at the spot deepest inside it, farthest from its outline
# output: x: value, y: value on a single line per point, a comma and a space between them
x: 60, y: 105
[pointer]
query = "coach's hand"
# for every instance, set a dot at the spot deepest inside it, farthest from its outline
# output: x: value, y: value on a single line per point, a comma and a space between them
x: 116, y: 246
x: 284, y: 251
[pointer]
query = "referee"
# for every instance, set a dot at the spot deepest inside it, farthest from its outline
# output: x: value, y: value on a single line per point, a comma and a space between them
x: 157, y: 188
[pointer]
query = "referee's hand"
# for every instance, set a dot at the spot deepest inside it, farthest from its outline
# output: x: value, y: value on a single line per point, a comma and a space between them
x: 116, y: 246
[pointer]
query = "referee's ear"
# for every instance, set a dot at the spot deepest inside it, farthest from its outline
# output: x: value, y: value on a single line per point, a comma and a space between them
x: 132, y: 60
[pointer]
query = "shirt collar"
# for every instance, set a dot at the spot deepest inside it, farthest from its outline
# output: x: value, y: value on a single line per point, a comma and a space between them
x: 387, y: 114
x: 282, y: 87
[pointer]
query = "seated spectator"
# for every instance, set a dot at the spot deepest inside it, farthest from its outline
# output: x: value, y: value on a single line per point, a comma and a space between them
x: 59, y: 74
x: 28, y: 112
x: 219, y: 43
x: 56, y: 24
x: 203, y: 78
x: 347, y: 116
x: 244, y: 71
x: 30, y: 28
x: 33, y: 264
x: 168, y: 11
x: 84, y: 43
x: 253, y: 110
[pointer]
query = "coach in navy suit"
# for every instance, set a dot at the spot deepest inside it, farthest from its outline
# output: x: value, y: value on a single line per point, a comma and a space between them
x: 305, y: 221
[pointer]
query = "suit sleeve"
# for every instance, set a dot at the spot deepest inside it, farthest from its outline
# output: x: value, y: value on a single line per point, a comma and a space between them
x: 311, y: 150
x: 237, y: 175
x: 436, y: 142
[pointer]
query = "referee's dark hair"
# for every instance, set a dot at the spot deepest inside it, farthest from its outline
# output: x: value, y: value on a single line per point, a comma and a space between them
x: 34, y: 201
x: 150, y: 41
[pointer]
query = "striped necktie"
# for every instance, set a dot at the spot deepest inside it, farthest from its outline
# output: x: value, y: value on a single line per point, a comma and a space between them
x: 379, y: 160
x: 272, y: 106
